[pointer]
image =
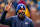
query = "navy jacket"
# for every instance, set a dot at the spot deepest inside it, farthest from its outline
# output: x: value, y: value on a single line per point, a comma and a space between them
x: 14, y: 21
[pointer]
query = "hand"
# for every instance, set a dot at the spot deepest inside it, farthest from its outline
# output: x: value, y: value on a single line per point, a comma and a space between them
x: 7, y: 8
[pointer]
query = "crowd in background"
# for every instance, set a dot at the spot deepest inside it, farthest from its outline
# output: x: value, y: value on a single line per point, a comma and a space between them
x: 32, y: 9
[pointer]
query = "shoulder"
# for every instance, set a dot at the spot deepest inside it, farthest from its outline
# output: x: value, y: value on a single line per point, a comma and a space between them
x: 27, y: 18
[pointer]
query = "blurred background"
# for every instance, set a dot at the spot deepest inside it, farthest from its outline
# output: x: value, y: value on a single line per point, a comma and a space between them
x: 32, y: 10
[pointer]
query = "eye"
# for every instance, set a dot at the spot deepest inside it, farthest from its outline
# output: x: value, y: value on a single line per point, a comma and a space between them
x: 20, y: 9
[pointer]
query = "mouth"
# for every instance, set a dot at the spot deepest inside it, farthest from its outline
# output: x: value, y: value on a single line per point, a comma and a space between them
x: 23, y: 13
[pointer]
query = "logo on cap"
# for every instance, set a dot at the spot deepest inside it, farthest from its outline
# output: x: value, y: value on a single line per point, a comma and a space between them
x: 21, y: 6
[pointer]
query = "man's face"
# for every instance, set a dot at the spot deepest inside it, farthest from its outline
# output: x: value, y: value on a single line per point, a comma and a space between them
x: 21, y: 12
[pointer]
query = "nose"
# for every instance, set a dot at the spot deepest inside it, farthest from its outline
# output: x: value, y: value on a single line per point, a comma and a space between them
x: 22, y: 10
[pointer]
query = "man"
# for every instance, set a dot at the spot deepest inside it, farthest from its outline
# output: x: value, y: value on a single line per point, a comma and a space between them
x: 20, y: 20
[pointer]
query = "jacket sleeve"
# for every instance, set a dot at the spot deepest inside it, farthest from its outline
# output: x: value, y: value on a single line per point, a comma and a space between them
x: 8, y: 21
x: 3, y: 20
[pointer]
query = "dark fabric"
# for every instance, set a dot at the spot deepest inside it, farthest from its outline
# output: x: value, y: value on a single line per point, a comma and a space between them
x: 15, y: 22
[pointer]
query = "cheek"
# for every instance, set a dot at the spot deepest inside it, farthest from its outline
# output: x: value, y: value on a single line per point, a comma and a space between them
x: 23, y: 10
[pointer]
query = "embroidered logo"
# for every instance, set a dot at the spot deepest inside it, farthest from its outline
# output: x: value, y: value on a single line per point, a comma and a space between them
x: 26, y: 22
